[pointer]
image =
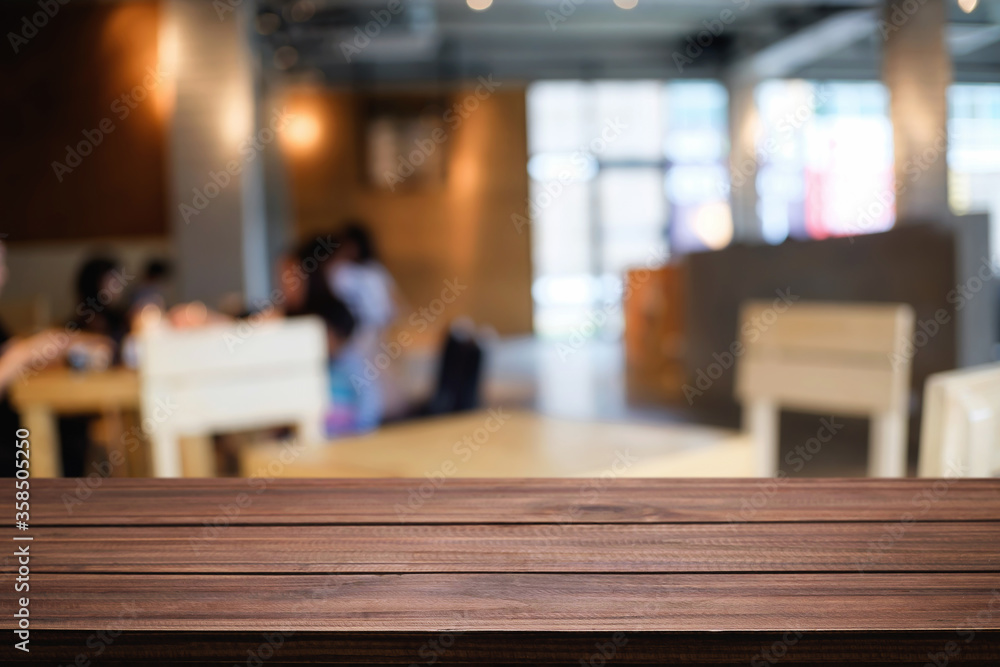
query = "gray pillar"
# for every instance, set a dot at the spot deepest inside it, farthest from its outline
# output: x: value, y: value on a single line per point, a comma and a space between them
x: 278, y: 206
x: 916, y: 68
x: 744, y: 127
x: 216, y: 201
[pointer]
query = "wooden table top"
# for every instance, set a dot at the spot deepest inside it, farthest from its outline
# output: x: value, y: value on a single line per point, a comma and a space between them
x: 66, y: 390
x: 514, y: 443
x: 719, y: 571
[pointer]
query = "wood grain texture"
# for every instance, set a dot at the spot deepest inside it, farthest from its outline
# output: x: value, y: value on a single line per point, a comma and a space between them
x: 709, y: 602
x: 618, y: 548
x: 394, y: 501
x: 514, y: 571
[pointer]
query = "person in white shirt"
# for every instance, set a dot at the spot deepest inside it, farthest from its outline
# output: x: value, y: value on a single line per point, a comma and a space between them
x: 359, y: 279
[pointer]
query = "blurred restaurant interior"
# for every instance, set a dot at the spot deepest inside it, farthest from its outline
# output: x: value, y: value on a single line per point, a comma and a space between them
x: 501, y: 238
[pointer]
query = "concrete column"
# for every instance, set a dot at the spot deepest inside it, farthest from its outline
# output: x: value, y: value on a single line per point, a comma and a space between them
x: 216, y: 191
x: 916, y: 68
x: 744, y: 128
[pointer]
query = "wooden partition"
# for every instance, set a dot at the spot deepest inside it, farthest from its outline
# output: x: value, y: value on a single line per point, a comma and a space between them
x: 654, y: 334
x: 914, y: 265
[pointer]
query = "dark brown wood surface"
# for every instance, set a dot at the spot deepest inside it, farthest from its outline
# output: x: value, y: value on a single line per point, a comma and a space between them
x: 574, y: 602
x: 681, y: 571
x: 618, y: 548
x: 394, y: 501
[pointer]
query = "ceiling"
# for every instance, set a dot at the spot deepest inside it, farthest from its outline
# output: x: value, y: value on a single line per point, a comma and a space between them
x: 411, y: 41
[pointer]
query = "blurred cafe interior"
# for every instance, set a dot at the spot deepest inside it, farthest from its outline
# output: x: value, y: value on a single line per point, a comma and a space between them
x: 501, y: 238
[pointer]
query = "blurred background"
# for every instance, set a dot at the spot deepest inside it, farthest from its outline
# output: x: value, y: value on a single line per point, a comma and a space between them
x: 554, y: 209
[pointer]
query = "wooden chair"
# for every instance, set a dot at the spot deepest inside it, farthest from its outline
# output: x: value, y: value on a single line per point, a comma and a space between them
x: 960, y: 433
x: 842, y: 358
x: 231, y: 377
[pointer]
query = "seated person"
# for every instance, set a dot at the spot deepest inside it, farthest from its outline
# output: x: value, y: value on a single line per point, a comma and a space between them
x: 359, y: 279
x: 22, y: 357
x: 355, y: 405
x: 100, y: 299
x: 100, y: 309
x: 153, y: 287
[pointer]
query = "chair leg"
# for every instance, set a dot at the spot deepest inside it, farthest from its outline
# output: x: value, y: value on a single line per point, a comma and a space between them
x: 166, y: 453
x: 310, y: 431
x: 887, y: 445
x: 46, y: 458
x: 760, y: 420
x: 982, y: 440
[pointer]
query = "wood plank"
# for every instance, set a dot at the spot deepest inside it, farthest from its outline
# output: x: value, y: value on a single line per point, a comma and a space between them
x: 818, y: 385
x: 395, y: 501
x: 516, y: 602
x: 649, y: 548
x: 834, y: 327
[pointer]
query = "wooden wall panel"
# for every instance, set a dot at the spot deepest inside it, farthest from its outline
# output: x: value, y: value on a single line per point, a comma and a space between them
x: 65, y: 80
x: 460, y: 228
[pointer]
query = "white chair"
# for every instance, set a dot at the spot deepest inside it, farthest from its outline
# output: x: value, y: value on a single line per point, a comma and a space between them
x: 846, y: 359
x: 960, y: 433
x: 231, y: 377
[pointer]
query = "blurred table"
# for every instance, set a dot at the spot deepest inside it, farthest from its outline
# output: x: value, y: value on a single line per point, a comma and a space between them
x: 511, y: 443
x: 63, y: 391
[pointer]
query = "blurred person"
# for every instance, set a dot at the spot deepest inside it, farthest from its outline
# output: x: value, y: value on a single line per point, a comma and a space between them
x: 153, y: 286
x: 358, y: 277
x: 20, y: 356
x: 101, y: 285
x: 355, y: 406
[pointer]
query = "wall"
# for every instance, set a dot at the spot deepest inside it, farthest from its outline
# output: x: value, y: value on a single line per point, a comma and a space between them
x: 50, y: 269
x: 460, y: 228
x: 64, y: 81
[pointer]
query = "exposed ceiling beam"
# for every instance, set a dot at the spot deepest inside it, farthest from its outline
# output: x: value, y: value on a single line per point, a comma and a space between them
x: 964, y: 39
x: 814, y: 42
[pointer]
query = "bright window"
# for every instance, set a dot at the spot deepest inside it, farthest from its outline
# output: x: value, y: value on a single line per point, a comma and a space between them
x: 622, y: 172
x: 825, y: 160
x: 974, y: 153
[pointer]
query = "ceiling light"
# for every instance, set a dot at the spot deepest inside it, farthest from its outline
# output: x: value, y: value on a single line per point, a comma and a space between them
x: 302, y: 131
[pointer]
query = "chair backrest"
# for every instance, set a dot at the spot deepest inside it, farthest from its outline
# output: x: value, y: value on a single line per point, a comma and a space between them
x: 960, y: 433
x: 459, y: 375
x: 235, y: 377
x: 845, y: 357
x: 25, y: 316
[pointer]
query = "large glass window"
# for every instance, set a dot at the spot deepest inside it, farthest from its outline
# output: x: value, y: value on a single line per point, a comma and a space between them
x: 825, y: 160
x: 622, y: 172
x: 974, y: 153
